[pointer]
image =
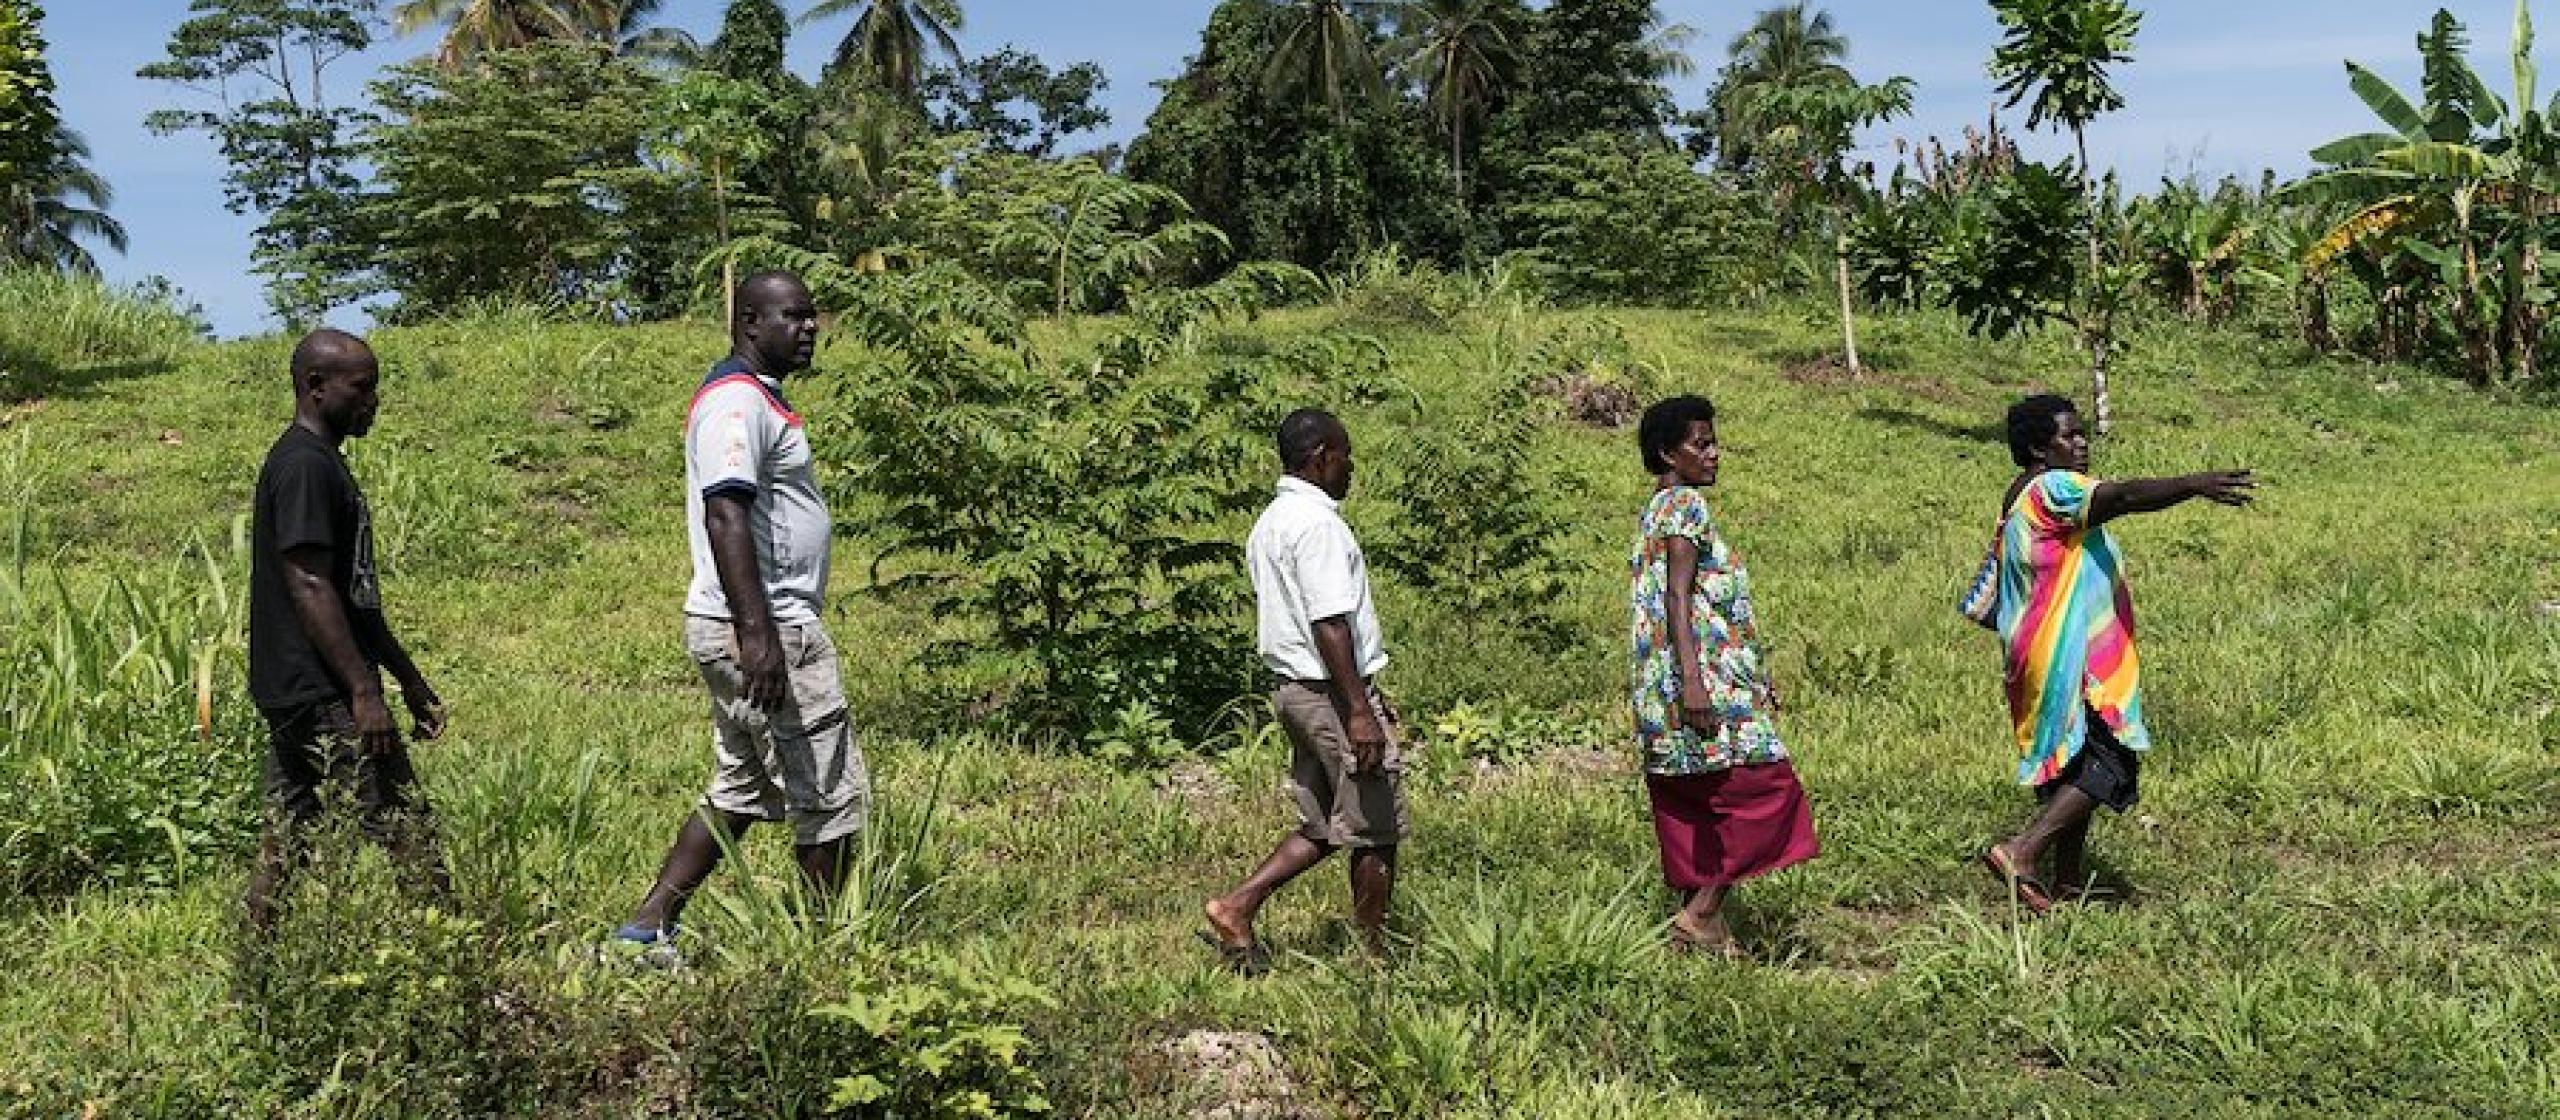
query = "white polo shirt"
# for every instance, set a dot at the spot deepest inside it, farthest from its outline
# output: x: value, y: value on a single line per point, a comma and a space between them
x: 1306, y: 566
x: 741, y: 437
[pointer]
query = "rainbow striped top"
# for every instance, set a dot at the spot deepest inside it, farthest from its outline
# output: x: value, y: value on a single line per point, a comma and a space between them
x: 2066, y: 622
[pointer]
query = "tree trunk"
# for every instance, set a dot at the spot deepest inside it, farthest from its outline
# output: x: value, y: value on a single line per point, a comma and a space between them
x: 2478, y: 352
x: 1848, y: 316
x: 2525, y: 359
x: 728, y: 260
x: 2102, y: 406
x: 2389, y: 311
x: 2316, y: 332
x: 1458, y: 159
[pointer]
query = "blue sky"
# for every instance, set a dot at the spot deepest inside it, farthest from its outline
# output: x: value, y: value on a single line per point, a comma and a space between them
x: 2228, y: 86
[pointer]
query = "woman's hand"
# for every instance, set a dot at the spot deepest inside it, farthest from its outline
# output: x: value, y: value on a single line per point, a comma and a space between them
x: 1698, y: 710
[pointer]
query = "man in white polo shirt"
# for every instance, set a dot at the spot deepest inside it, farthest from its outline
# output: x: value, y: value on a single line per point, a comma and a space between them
x: 781, y: 744
x: 1318, y: 634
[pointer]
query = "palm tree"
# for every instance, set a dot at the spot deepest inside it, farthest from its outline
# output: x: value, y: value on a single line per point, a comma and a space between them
x: 476, y: 26
x: 1323, y: 53
x: 473, y: 27
x: 46, y: 213
x: 893, y: 37
x: 1462, y: 54
x: 624, y: 25
x: 1785, y: 49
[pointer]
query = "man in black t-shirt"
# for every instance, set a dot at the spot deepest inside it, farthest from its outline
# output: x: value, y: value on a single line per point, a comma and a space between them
x: 318, y: 641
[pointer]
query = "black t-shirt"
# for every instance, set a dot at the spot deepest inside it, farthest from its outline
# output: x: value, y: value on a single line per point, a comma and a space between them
x: 306, y: 497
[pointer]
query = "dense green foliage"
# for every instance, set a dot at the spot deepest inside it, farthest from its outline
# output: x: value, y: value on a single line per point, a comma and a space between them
x: 1289, y: 177
x: 1613, y: 220
x: 258, y: 70
x: 28, y: 118
x: 521, y: 179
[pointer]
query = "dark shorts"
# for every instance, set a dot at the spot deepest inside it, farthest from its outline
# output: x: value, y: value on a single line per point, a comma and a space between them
x: 2105, y: 769
x: 314, y: 765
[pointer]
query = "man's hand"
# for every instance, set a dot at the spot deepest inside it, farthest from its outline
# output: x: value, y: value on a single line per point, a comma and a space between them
x: 2230, y: 488
x: 426, y: 710
x: 766, y: 683
x: 376, y: 735
x: 1368, y: 738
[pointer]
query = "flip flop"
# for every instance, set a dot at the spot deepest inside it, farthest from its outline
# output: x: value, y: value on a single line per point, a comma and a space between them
x: 2091, y: 895
x: 1244, y: 960
x: 2024, y: 888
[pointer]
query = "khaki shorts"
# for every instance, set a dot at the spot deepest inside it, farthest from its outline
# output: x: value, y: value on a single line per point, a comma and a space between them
x: 1335, y: 806
x: 799, y: 761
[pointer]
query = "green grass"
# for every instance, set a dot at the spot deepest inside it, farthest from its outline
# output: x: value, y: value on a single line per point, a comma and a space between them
x: 2344, y: 865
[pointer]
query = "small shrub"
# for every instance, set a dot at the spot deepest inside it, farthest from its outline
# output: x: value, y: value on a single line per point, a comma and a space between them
x: 1076, y: 511
x: 1384, y: 289
x: 365, y: 991
x: 912, y: 1033
x: 1591, y: 368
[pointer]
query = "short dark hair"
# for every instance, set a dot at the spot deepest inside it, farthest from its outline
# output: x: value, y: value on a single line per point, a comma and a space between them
x: 317, y: 349
x: 745, y: 295
x: 1302, y: 432
x: 2032, y: 424
x: 1667, y: 423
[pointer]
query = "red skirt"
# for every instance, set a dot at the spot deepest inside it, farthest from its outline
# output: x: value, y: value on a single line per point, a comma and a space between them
x: 1722, y: 828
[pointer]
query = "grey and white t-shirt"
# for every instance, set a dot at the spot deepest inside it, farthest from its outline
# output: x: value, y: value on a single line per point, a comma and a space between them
x: 741, y: 437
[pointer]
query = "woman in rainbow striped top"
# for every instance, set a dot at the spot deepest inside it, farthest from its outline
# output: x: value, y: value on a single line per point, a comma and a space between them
x: 2065, y: 619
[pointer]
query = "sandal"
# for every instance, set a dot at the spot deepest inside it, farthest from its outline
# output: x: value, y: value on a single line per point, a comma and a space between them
x: 2023, y: 887
x: 1248, y: 961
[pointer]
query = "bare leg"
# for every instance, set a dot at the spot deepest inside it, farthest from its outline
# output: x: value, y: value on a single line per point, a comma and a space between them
x: 2071, y: 857
x: 1373, y: 883
x: 2068, y: 812
x: 695, y: 853
x: 1700, y: 921
x: 282, y: 850
x: 1231, y: 914
x: 823, y: 868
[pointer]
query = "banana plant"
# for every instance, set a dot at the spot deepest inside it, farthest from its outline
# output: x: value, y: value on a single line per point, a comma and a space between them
x: 2460, y: 169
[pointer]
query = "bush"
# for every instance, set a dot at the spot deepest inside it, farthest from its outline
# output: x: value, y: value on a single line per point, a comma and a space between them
x: 1075, y: 514
x: 126, y: 767
x: 1612, y: 220
x: 370, y: 999
x: 916, y: 1034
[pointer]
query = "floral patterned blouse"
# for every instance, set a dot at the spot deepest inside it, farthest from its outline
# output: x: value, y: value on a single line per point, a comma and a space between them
x: 1728, y: 646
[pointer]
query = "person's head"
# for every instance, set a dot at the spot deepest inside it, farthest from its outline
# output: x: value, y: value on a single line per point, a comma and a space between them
x: 2045, y: 434
x: 1316, y: 447
x: 776, y: 330
x: 1678, y: 437
x: 336, y: 383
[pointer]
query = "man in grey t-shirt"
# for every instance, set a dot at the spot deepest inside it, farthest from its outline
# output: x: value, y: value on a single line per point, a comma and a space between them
x: 759, y: 532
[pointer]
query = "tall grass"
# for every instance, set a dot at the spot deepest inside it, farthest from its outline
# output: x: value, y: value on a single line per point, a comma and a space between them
x: 128, y: 753
x: 54, y: 325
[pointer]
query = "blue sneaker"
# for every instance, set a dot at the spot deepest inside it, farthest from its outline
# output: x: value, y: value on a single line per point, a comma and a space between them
x: 649, y: 945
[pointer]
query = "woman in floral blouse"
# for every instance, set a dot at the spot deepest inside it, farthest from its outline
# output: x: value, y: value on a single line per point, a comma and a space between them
x: 1726, y: 803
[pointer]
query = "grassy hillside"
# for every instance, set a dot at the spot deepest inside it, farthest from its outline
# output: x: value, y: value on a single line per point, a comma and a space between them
x: 2342, y: 877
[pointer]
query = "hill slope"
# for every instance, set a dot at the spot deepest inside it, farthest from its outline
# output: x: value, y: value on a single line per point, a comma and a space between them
x: 2342, y: 874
